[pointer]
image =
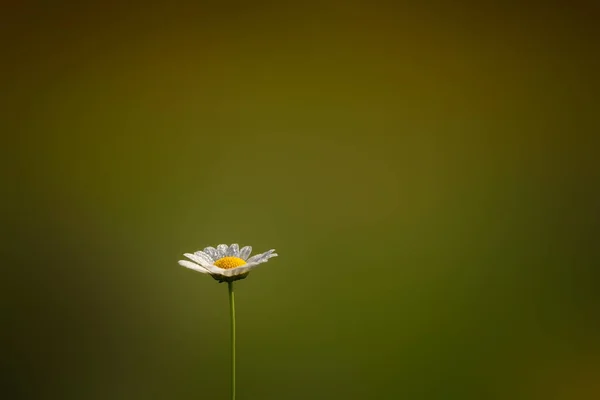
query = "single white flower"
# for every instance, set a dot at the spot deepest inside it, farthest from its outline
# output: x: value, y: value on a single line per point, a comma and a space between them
x: 226, y: 263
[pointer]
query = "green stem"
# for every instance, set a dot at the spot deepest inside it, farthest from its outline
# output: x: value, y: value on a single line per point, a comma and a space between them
x: 232, y: 313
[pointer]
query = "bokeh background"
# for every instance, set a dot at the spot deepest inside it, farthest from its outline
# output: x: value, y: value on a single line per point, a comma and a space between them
x: 427, y: 172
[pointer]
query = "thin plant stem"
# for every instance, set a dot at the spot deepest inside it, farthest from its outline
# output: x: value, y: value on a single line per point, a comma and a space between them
x: 232, y: 314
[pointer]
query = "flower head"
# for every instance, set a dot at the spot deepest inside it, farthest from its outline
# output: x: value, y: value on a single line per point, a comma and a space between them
x: 226, y: 263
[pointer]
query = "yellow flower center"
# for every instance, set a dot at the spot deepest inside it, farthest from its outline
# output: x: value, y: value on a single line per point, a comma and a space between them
x: 229, y: 262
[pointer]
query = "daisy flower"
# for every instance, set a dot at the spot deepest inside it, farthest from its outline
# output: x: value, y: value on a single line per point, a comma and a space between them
x: 226, y: 263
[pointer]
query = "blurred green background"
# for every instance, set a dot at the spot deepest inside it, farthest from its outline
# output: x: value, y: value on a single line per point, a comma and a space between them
x: 428, y: 174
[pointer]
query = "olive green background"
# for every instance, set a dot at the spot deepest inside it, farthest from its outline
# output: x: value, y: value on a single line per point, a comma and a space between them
x: 427, y: 173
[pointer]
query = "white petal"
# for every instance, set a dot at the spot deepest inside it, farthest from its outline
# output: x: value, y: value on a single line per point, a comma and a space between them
x: 255, y: 257
x: 245, y: 252
x: 205, y: 256
x: 265, y: 258
x: 266, y: 255
x: 233, y: 250
x: 191, y: 265
x: 212, y: 252
x: 212, y: 269
x: 239, y: 270
x: 222, y: 249
x: 199, y: 258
